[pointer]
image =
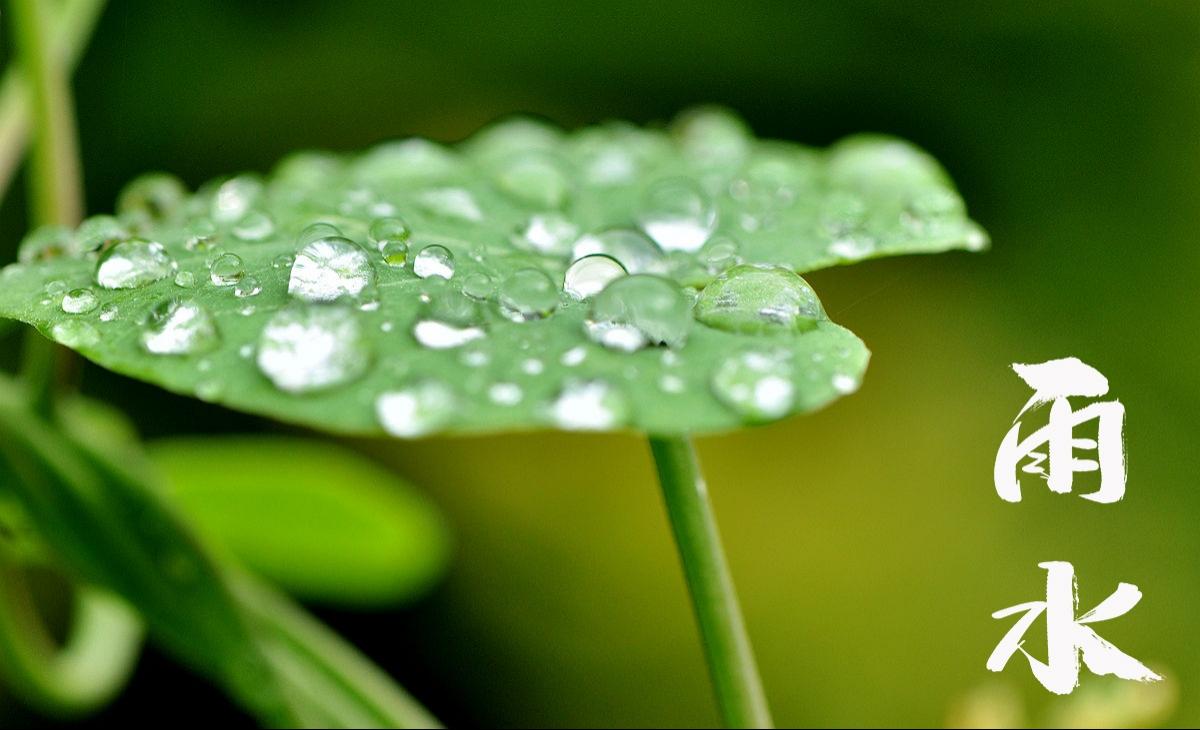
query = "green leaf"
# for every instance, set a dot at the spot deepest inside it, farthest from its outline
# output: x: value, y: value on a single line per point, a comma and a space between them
x: 239, y: 302
x: 90, y: 496
x: 318, y: 520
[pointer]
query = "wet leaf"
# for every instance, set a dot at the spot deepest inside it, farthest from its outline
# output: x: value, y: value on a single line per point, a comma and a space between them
x: 318, y: 520
x: 526, y: 278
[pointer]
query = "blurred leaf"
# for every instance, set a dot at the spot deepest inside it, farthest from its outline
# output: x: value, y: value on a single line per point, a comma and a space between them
x: 87, y: 493
x: 461, y: 318
x: 318, y: 520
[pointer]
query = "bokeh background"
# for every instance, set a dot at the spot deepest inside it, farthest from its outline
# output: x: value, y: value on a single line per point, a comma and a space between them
x: 867, y: 541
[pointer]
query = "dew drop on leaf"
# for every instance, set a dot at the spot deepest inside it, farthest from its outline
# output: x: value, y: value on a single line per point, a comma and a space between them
x: 434, y: 260
x: 589, y: 405
x: 305, y: 348
x: 752, y: 299
x: 677, y: 215
x: 179, y: 327
x: 635, y: 311
x: 235, y: 197
x: 133, y: 264
x: 638, y: 254
x: 756, y: 385
x: 227, y: 270
x: 528, y: 294
x: 416, y: 409
x: 98, y: 233
x: 75, y: 333
x: 254, y: 226
x: 588, y: 276
x: 547, y: 233
x: 329, y: 269
x: 45, y: 243
x: 316, y: 231
x: 151, y: 197
x: 80, y: 301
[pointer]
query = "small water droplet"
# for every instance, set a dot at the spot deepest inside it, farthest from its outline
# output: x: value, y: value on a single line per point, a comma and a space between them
x: 329, y: 269
x: 80, y: 301
x: 417, y: 409
x: 99, y: 232
x: 46, y: 243
x: 394, y: 253
x: 845, y: 384
x: 756, y: 385
x: 479, y: 286
x: 635, y: 311
x: 588, y: 276
x: 589, y: 405
x: 235, y: 197
x: 254, y: 226
x: 759, y: 299
x: 451, y: 203
x: 179, y: 327
x: 152, y: 197
x: 677, y: 215
x: 720, y: 254
x: 434, y: 260
x: 249, y: 286
x: 185, y: 280
x: 133, y: 264
x: 534, y: 179
x: 283, y: 261
x: 528, y: 294
x: 533, y: 366
x: 505, y: 394
x: 200, y: 234
x: 210, y: 390
x: 671, y: 384
x: 547, y: 233
x: 575, y: 356
x: 305, y: 348
x: 227, y: 270
x: 384, y: 230
x: 75, y: 333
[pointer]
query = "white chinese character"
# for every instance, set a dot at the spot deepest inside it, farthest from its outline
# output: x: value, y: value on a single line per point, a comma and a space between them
x: 1054, y: 382
x: 1068, y: 637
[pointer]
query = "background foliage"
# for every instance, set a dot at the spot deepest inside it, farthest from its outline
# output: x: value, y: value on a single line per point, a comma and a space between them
x: 868, y: 543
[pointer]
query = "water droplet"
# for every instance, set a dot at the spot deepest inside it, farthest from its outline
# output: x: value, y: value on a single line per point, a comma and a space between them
x: 329, y: 269
x: 185, y: 280
x: 417, y: 409
x: 534, y: 179
x: 384, y: 230
x: 478, y: 285
x: 588, y: 276
x: 451, y: 319
x: 394, y: 253
x: 505, y: 394
x: 247, y: 287
x: 528, y: 294
x: 151, y: 197
x: 55, y: 288
x: 305, y: 348
x: 210, y: 390
x: 451, y: 203
x: 845, y: 384
x: 589, y: 405
x: 637, y: 253
x: 635, y: 311
x: 179, y: 327
x: 315, y: 232
x: 756, y: 385
x: 75, y: 333
x: 80, y: 301
x: 719, y: 254
x: 235, y: 197
x: 547, y: 233
x: 254, y: 226
x: 575, y: 356
x: 712, y: 137
x: 283, y: 261
x: 533, y: 366
x: 759, y: 299
x: 227, y: 270
x: 99, y: 232
x: 109, y: 312
x: 200, y: 234
x: 677, y: 215
x: 434, y: 261
x: 133, y: 264
x: 45, y: 243
x: 671, y: 384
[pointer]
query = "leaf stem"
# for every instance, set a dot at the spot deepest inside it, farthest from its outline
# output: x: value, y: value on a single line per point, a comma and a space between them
x: 727, y: 648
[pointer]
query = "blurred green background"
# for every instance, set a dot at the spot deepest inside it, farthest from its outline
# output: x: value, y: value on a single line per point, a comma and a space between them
x: 867, y: 540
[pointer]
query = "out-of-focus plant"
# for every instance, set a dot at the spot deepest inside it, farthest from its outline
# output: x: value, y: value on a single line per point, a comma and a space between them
x: 611, y: 278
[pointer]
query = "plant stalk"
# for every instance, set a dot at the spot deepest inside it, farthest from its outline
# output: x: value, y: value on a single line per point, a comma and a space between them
x: 731, y: 664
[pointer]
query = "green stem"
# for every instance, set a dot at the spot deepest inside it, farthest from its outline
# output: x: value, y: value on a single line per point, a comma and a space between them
x: 731, y: 663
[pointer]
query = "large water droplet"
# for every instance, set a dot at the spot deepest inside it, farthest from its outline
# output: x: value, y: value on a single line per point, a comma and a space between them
x: 677, y: 215
x: 756, y: 385
x: 588, y: 276
x: 589, y: 405
x: 434, y: 260
x: 450, y: 319
x: 133, y: 264
x: 305, y: 348
x: 759, y: 299
x: 179, y: 327
x: 329, y: 269
x: 528, y: 294
x: 80, y: 301
x: 417, y: 409
x: 635, y: 311
x: 638, y: 254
